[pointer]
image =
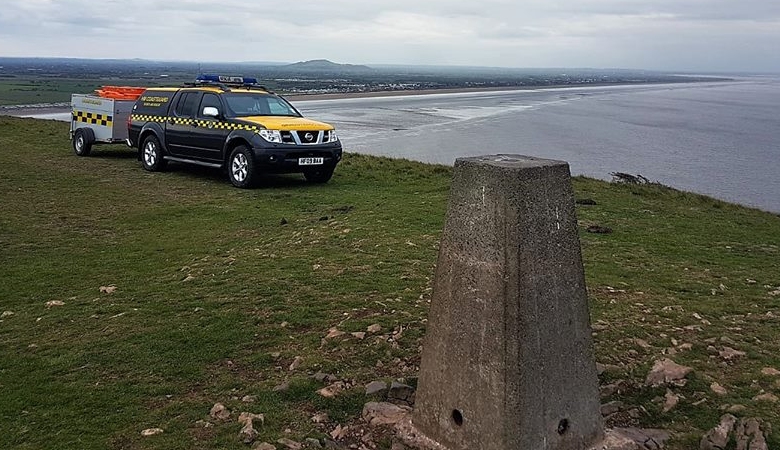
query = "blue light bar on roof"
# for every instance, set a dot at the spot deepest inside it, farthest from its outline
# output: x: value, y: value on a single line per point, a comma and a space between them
x: 208, y: 78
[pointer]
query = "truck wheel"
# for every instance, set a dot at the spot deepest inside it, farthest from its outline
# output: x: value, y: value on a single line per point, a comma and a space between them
x: 151, y: 155
x: 318, y: 176
x: 241, y: 167
x: 82, y: 142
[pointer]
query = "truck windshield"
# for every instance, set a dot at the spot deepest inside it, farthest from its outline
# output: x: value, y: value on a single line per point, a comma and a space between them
x: 256, y: 104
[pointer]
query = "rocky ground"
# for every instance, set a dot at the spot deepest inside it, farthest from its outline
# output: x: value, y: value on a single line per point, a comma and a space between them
x: 385, y: 421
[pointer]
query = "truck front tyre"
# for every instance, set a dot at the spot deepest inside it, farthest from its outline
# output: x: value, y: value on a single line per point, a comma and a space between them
x: 82, y: 142
x: 241, y: 168
x: 151, y: 155
x: 318, y: 176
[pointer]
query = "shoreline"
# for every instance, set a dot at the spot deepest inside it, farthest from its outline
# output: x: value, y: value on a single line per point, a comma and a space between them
x: 459, y: 90
x: 29, y: 110
x: 413, y: 92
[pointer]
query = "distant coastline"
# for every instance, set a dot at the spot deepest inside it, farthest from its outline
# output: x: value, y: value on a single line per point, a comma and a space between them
x: 61, y: 107
x: 44, y: 85
x: 393, y: 93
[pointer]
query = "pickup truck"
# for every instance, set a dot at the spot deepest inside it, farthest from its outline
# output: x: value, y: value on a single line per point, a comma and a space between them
x: 231, y: 123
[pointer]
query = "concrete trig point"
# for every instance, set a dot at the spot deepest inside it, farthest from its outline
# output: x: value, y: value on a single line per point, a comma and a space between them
x: 507, y: 362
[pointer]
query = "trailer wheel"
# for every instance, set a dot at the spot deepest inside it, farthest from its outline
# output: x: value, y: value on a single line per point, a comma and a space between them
x: 241, y: 168
x: 151, y: 155
x: 82, y: 141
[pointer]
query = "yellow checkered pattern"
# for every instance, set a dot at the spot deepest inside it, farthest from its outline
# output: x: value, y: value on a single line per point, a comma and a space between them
x: 145, y: 118
x: 92, y: 118
x: 198, y: 122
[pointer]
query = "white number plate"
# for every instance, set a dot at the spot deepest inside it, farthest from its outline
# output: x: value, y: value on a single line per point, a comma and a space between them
x: 310, y: 161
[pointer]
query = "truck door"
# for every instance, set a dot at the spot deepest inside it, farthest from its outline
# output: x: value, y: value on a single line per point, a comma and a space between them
x: 212, y: 131
x: 181, y: 130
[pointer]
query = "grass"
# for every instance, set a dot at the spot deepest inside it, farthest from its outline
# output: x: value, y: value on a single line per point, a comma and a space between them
x: 15, y: 91
x: 219, y: 289
x: 31, y: 90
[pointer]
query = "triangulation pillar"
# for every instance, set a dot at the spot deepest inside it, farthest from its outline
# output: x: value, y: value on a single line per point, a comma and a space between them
x: 507, y: 362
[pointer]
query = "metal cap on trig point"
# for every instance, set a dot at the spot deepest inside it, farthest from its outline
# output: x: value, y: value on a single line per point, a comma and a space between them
x: 507, y: 361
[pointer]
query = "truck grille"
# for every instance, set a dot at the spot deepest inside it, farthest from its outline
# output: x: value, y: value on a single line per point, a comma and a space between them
x: 287, y: 137
x: 308, y: 137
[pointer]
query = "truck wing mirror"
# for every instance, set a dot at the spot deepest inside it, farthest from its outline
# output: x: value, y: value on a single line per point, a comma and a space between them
x: 210, y: 111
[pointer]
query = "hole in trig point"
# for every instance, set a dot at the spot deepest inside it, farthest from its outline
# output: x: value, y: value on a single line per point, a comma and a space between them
x: 563, y: 426
x: 457, y: 417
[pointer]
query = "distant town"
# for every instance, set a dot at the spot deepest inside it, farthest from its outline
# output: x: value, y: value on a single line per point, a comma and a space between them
x: 49, y: 82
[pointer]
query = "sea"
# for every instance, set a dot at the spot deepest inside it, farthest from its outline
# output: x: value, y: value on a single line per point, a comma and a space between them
x: 719, y: 138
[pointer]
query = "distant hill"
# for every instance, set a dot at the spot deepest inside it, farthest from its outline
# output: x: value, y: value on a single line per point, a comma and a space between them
x: 323, y: 65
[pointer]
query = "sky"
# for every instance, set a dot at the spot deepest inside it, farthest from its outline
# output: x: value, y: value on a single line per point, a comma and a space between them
x: 671, y: 35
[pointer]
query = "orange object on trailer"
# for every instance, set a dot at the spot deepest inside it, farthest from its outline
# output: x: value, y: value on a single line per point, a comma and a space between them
x: 120, y: 92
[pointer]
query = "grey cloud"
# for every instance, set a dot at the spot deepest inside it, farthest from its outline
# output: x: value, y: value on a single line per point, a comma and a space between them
x: 759, y: 10
x: 628, y: 33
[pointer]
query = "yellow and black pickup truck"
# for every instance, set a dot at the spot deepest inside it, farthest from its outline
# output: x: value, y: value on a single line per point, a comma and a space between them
x: 231, y: 123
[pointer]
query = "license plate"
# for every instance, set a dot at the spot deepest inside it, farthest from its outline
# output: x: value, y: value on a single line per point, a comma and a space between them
x: 310, y: 161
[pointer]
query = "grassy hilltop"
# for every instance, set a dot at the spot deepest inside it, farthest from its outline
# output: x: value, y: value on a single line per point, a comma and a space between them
x: 179, y: 291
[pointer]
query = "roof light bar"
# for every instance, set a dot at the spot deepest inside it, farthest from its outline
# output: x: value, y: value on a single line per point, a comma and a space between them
x: 241, y: 81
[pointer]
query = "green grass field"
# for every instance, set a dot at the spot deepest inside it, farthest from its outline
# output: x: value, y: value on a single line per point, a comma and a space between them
x: 33, y: 90
x: 219, y: 289
x: 25, y: 92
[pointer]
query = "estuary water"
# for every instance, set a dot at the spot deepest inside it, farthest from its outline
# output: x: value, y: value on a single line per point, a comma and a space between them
x: 720, y: 139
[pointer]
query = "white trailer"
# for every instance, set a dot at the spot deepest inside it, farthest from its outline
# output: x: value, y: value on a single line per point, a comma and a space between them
x: 96, y: 119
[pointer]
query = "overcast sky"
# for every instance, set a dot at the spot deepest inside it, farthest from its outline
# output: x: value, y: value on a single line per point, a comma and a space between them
x: 692, y: 35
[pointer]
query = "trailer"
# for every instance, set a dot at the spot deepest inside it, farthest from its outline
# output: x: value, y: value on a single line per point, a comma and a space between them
x: 101, y: 118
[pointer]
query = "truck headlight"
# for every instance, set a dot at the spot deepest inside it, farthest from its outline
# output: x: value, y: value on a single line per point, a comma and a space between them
x: 273, y: 136
x: 332, y: 136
